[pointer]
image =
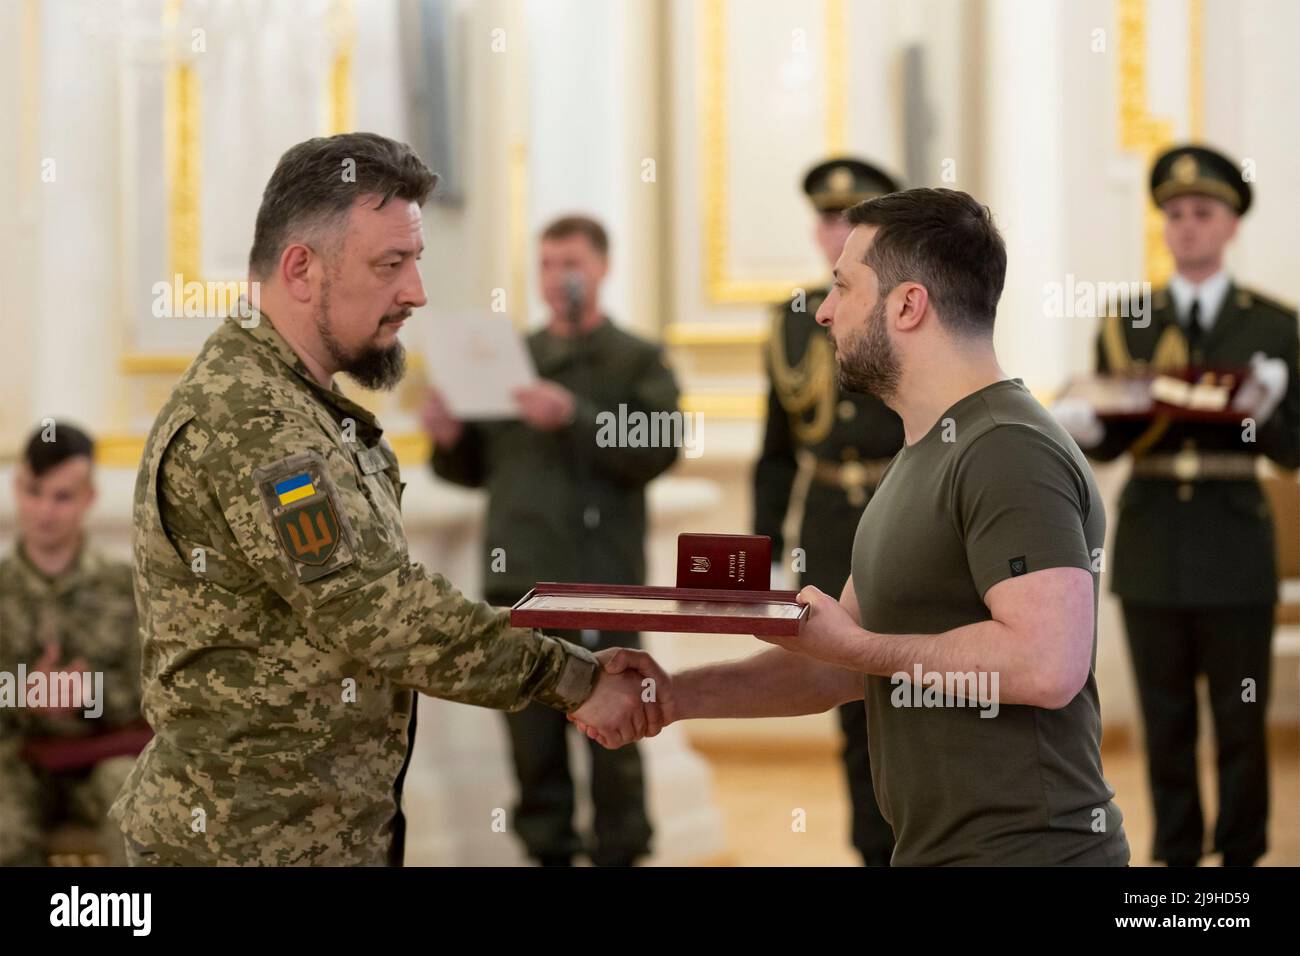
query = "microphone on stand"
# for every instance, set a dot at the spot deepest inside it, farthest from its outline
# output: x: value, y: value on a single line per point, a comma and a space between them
x: 575, y: 297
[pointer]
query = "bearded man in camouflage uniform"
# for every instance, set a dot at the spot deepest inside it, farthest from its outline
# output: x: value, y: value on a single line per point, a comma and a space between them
x: 285, y: 626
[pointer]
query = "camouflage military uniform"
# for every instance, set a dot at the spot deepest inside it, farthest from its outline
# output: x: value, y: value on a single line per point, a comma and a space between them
x: 89, y: 611
x: 285, y: 625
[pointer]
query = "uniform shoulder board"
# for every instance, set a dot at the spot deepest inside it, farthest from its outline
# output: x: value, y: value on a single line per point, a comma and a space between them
x: 1249, y: 298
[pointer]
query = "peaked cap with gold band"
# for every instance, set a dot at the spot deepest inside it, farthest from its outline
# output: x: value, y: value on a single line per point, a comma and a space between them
x: 837, y: 184
x: 1196, y: 170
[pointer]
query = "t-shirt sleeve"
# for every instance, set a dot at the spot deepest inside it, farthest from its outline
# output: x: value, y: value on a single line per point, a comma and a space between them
x: 1021, y: 504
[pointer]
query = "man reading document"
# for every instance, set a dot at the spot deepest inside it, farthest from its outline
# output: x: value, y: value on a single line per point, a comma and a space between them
x: 969, y: 619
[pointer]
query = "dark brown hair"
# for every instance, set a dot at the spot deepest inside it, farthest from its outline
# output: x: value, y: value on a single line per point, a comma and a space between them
x: 316, y: 182
x: 567, y: 226
x: 67, y: 442
x: 944, y: 240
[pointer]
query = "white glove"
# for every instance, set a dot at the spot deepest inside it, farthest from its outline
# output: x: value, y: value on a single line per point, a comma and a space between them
x: 1079, y: 418
x: 1263, y: 389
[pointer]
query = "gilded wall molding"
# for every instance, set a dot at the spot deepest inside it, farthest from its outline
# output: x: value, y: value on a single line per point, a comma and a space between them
x: 1143, y: 133
x: 183, y: 143
x: 720, y: 287
x: 341, y: 108
x: 121, y: 450
x: 182, y: 146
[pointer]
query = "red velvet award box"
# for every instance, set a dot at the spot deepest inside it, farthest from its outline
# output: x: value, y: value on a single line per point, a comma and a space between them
x: 632, y: 607
x: 722, y: 588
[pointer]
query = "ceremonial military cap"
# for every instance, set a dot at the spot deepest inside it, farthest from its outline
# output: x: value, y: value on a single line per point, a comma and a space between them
x: 1196, y: 170
x: 844, y: 181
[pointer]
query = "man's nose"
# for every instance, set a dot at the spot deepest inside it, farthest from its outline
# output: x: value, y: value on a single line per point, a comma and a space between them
x: 825, y: 311
x: 412, y: 293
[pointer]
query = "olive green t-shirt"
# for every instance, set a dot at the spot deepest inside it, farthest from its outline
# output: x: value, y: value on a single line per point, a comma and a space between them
x: 995, y: 489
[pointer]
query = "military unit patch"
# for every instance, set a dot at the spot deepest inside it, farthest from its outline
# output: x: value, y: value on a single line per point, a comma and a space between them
x: 302, y: 503
x: 309, y: 533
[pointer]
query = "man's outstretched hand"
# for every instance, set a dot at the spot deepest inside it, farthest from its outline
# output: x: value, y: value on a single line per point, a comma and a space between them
x: 829, y: 633
x: 633, y: 699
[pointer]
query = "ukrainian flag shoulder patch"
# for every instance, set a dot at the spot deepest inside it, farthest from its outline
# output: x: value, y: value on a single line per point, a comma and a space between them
x: 307, y: 521
x: 294, y: 489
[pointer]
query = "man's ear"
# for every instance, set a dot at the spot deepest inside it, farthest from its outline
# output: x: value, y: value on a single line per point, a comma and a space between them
x: 295, y: 271
x: 914, y: 300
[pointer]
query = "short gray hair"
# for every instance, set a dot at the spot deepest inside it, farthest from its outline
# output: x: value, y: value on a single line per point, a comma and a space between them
x: 316, y: 183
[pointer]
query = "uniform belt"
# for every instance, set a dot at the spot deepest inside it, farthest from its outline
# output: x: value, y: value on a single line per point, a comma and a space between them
x: 853, y: 476
x: 1192, y: 465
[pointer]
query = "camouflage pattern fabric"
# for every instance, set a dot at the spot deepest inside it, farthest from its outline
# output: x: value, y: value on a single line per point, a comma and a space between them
x: 284, y: 624
x: 89, y: 611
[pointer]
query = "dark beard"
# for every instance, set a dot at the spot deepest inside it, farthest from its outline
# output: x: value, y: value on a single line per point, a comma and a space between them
x: 868, y: 363
x: 378, y: 369
x: 373, y: 367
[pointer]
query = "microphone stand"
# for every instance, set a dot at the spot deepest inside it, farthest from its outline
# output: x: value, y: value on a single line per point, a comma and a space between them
x: 589, y: 513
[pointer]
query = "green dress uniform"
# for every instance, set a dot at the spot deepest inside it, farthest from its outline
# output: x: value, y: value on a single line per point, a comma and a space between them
x: 89, y: 611
x: 285, y: 626
x: 847, y: 440
x: 1194, y: 558
x: 565, y: 505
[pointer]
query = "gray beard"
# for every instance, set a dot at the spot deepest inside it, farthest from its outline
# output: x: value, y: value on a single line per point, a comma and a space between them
x: 373, y: 367
x: 869, y: 363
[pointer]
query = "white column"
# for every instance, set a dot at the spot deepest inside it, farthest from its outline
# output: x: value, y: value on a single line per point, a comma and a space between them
x: 1023, y: 182
x: 76, y: 315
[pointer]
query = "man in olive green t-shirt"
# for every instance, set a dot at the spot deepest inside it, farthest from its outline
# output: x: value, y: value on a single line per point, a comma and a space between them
x: 969, y: 619
x: 994, y: 491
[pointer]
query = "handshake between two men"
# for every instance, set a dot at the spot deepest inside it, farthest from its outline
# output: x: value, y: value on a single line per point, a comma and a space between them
x: 811, y: 672
x: 633, y: 699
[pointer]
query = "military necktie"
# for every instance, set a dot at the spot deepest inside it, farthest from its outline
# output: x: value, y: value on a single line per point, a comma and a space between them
x: 1194, y: 332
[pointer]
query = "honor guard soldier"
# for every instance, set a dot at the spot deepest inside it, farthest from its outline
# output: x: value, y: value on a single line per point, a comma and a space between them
x: 846, y: 440
x: 1194, y: 561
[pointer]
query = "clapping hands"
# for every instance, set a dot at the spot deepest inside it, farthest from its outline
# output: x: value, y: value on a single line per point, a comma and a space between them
x: 57, y: 675
x: 633, y: 699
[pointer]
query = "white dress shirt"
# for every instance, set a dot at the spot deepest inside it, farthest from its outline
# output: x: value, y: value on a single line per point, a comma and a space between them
x: 1209, y: 293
